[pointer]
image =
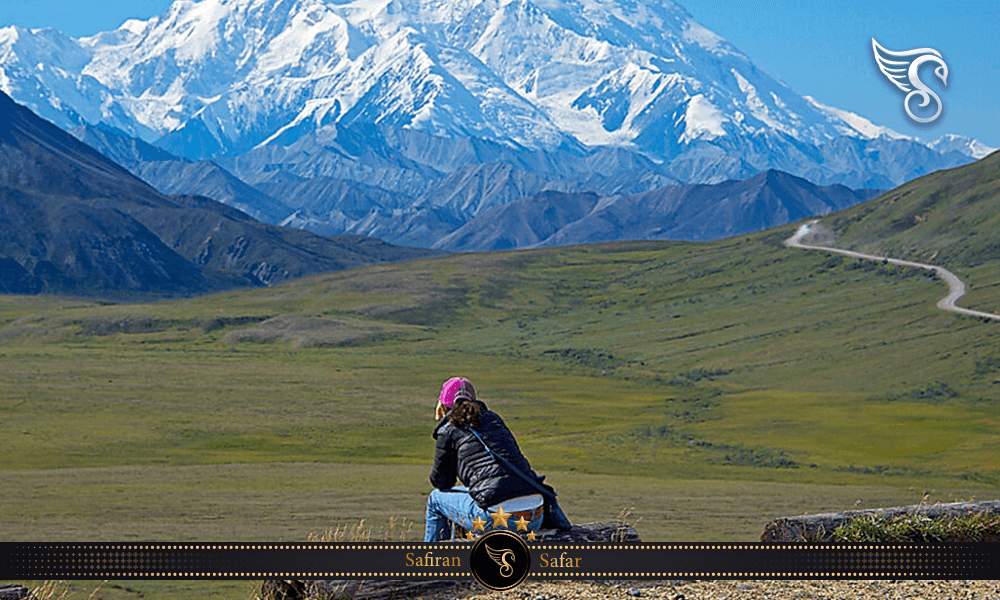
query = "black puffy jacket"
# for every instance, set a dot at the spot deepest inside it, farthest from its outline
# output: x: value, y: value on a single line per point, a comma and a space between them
x: 460, y: 455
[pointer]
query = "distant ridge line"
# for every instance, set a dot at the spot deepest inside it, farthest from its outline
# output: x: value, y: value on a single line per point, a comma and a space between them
x: 956, y: 288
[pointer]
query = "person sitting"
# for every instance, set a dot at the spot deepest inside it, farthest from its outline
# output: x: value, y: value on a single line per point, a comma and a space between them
x: 488, y: 484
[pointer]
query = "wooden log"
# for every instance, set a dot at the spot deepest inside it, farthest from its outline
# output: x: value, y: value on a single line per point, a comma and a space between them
x: 330, y: 589
x: 591, y: 533
x: 283, y: 589
x: 820, y: 527
x: 375, y: 590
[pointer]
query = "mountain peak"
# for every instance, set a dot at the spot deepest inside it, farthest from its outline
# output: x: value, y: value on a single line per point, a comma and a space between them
x: 963, y: 145
x: 528, y: 72
x: 222, y: 77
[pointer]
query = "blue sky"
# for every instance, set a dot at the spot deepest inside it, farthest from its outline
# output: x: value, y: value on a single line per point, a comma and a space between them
x: 820, y: 48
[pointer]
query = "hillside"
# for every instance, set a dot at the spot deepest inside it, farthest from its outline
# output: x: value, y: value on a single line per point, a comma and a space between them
x: 738, y: 374
x: 677, y: 212
x: 170, y: 174
x: 950, y: 216
x: 70, y: 221
x: 77, y: 223
x: 711, y: 386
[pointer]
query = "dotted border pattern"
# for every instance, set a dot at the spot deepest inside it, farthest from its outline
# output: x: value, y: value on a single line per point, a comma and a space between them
x: 462, y: 546
x: 464, y: 573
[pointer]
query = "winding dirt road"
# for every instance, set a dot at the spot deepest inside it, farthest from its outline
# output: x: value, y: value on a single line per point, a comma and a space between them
x: 956, y: 289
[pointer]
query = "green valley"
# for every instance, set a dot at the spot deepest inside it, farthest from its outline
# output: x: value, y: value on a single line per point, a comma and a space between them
x: 707, y: 387
x: 738, y: 365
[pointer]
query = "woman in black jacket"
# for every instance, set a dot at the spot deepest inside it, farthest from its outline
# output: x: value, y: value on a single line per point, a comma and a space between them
x: 492, y: 493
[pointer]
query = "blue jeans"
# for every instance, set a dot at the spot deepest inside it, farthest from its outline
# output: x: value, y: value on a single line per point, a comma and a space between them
x: 445, y: 507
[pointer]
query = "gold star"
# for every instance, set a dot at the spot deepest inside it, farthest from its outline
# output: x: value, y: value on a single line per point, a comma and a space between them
x: 469, y: 535
x: 522, y: 523
x: 531, y: 536
x: 500, y: 517
x: 478, y: 523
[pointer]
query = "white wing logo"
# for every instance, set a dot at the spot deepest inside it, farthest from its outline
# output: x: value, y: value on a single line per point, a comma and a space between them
x: 902, y: 69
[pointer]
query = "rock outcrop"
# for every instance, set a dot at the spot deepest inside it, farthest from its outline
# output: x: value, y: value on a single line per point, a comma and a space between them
x: 820, y: 527
x: 13, y: 591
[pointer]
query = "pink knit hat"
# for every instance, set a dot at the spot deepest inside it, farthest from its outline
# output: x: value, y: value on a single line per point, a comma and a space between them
x: 454, y: 388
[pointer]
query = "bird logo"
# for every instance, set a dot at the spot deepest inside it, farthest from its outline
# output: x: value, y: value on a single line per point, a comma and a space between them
x: 500, y: 557
x: 503, y: 548
x: 902, y: 69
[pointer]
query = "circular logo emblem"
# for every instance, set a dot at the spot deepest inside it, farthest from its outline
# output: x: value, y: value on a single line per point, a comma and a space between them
x: 500, y: 560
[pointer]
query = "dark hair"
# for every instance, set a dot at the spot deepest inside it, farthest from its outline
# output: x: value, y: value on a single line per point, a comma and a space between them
x: 465, y: 412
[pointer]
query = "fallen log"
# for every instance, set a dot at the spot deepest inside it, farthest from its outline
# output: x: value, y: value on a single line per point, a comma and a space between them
x: 820, y: 527
x: 330, y: 589
x: 376, y: 590
x: 591, y: 533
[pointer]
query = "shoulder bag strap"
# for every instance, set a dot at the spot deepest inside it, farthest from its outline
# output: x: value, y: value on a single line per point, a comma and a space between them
x: 515, y: 470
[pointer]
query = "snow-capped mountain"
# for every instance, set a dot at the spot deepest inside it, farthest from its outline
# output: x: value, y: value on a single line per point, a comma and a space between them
x: 959, y: 143
x: 220, y: 77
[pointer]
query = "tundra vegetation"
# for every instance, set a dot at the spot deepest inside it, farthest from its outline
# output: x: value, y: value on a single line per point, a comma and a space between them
x: 710, y: 387
x: 707, y: 387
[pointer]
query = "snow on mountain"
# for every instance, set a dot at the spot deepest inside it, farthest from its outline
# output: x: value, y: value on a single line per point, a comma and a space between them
x: 406, y: 119
x: 42, y: 69
x: 218, y: 77
x: 964, y: 145
x: 855, y: 125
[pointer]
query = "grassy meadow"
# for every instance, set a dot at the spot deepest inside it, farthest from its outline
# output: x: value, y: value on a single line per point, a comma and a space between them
x: 706, y: 387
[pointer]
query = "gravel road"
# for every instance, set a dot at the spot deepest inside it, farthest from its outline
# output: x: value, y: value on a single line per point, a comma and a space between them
x: 956, y: 288
x: 741, y: 590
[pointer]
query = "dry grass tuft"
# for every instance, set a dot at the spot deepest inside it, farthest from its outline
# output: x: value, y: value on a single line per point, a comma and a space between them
x: 397, y: 530
x: 59, y: 590
x: 622, y: 520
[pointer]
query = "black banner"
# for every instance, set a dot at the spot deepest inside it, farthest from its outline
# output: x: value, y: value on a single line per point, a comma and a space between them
x: 452, y: 561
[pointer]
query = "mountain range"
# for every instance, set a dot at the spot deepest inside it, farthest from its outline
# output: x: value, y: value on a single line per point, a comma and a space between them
x: 76, y: 223
x: 221, y: 77
x: 683, y: 212
x: 405, y: 119
x: 492, y: 206
x: 461, y: 125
